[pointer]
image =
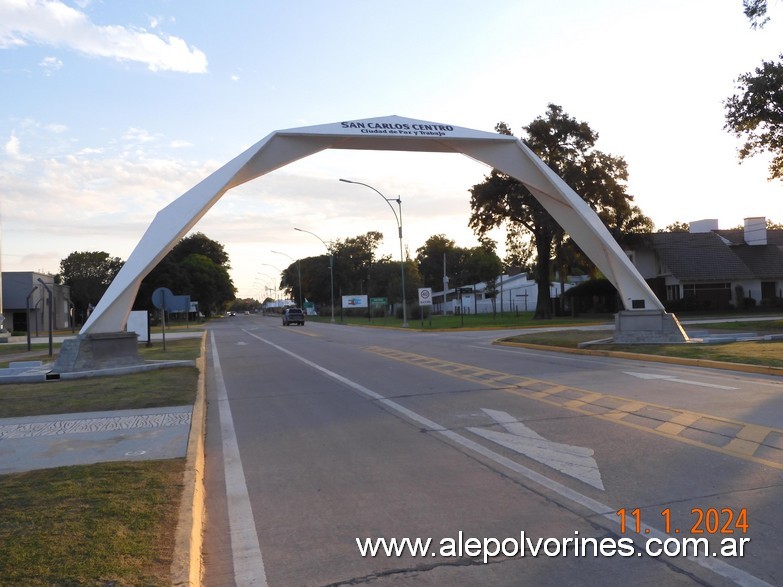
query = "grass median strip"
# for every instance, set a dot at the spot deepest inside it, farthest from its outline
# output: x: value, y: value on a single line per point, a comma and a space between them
x: 768, y: 353
x: 107, y: 524
x: 174, y: 386
x: 152, y: 389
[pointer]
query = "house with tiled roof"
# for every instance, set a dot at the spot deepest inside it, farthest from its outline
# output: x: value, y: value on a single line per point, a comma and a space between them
x: 712, y: 269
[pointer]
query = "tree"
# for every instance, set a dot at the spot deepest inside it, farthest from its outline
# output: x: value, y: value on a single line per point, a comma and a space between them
x: 357, y: 270
x: 677, y: 226
x: 438, y: 254
x: 197, y: 266
x: 88, y: 274
x: 201, y: 244
x: 353, y: 261
x: 316, y: 280
x: 463, y: 265
x: 208, y: 283
x: 481, y: 264
x: 568, y: 148
x: 756, y: 11
x: 519, y: 249
x: 755, y: 114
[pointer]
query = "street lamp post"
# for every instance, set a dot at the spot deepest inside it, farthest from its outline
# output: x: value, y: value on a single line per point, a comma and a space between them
x: 298, y: 274
x: 266, y: 287
x: 331, y: 265
x: 398, y: 218
x: 273, y: 281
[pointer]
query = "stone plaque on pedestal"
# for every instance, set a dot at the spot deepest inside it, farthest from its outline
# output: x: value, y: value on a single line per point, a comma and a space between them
x: 106, y: 350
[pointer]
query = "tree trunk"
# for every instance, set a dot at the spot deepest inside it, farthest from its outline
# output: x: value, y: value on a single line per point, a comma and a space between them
x: 543, y: 303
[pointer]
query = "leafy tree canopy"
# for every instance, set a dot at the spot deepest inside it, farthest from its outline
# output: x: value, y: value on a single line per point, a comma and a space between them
x: 88, y: 274
x: 677, y: 226
x: 756, y: 11
x: 201, y: 244
x: 357, y: 270
x: 197, y: 266
x: 567, y: 146
x: 462, y: 265
x: 755, y: 114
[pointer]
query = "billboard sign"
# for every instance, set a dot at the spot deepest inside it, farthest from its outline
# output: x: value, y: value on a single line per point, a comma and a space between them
x: 355, y: 302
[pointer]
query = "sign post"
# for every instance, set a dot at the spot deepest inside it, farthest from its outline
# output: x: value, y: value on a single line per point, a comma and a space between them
x: 425, y: 299
x: 159, y: 298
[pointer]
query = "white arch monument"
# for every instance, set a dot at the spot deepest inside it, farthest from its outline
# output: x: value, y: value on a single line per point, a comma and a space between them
x: 644, y: 317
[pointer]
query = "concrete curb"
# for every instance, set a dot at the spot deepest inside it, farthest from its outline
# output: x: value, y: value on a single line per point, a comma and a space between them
x: 114, y: 371
x: 186, y: 565
x: 706, y: 363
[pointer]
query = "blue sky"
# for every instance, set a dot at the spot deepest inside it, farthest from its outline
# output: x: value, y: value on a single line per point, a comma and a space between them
x: 112, y: 109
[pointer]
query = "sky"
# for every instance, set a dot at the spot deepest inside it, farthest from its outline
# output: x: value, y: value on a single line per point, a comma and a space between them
x: 110, y: 110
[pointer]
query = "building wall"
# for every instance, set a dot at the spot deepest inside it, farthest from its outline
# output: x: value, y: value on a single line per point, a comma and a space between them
x: 17, y: 286
x: 646, y: 263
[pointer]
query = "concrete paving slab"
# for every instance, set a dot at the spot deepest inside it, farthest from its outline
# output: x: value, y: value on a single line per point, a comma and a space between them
x: 42, y: 442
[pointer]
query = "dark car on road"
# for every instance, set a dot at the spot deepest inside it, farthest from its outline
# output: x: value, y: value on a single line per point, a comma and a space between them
x: 293, y: 316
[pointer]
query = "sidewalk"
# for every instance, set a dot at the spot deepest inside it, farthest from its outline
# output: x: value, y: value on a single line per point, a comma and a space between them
x: 62, y: 440
x: 43, y: 442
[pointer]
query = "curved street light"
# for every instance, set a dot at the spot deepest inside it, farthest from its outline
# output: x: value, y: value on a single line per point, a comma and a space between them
x: 398, y: 218
x: 298, y: 274
x: 331, y: 265
x: 277, y: 282
x: 267, y: 288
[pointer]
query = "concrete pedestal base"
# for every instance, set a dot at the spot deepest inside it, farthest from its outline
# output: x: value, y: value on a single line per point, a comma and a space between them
x: 647, y: 326
x: 90, y: 352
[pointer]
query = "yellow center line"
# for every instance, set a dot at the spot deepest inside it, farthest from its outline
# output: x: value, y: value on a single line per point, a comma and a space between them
x: 304, y: 332
x: 739, y: 439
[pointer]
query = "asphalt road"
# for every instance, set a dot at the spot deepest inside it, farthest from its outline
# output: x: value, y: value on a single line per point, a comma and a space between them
x: 324, y: 434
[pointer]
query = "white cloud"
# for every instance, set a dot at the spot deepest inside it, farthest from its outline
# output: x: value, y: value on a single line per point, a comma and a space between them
x: 13, y: 149
x: 50, y: 64
x: 51, y: 22
x: 56, y: 128
x: 139, y: 135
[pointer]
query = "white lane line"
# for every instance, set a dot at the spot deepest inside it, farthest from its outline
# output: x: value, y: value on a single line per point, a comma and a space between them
x: 674, y: 379
x: 245, y: 548
x: 715, y: 565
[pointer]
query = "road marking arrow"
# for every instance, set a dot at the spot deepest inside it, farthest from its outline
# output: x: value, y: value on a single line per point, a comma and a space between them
x: 575, y: 461
x: 676, y: 380
x: 241, y: 343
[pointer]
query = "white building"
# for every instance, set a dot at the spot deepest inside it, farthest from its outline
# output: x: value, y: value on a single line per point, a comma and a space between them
x: 513, y: 293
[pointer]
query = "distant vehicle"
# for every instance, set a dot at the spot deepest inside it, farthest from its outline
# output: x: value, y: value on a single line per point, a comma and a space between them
x: 231, y: 313
x: 293, y: 316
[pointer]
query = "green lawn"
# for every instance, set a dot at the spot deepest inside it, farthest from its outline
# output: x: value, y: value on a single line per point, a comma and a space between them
x: 108, y: 524
x: 97, y: 525
x: 150, y: 389
x: 769, y: 353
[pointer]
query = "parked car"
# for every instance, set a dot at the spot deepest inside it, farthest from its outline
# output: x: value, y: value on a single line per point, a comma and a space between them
x: 293, y: 316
